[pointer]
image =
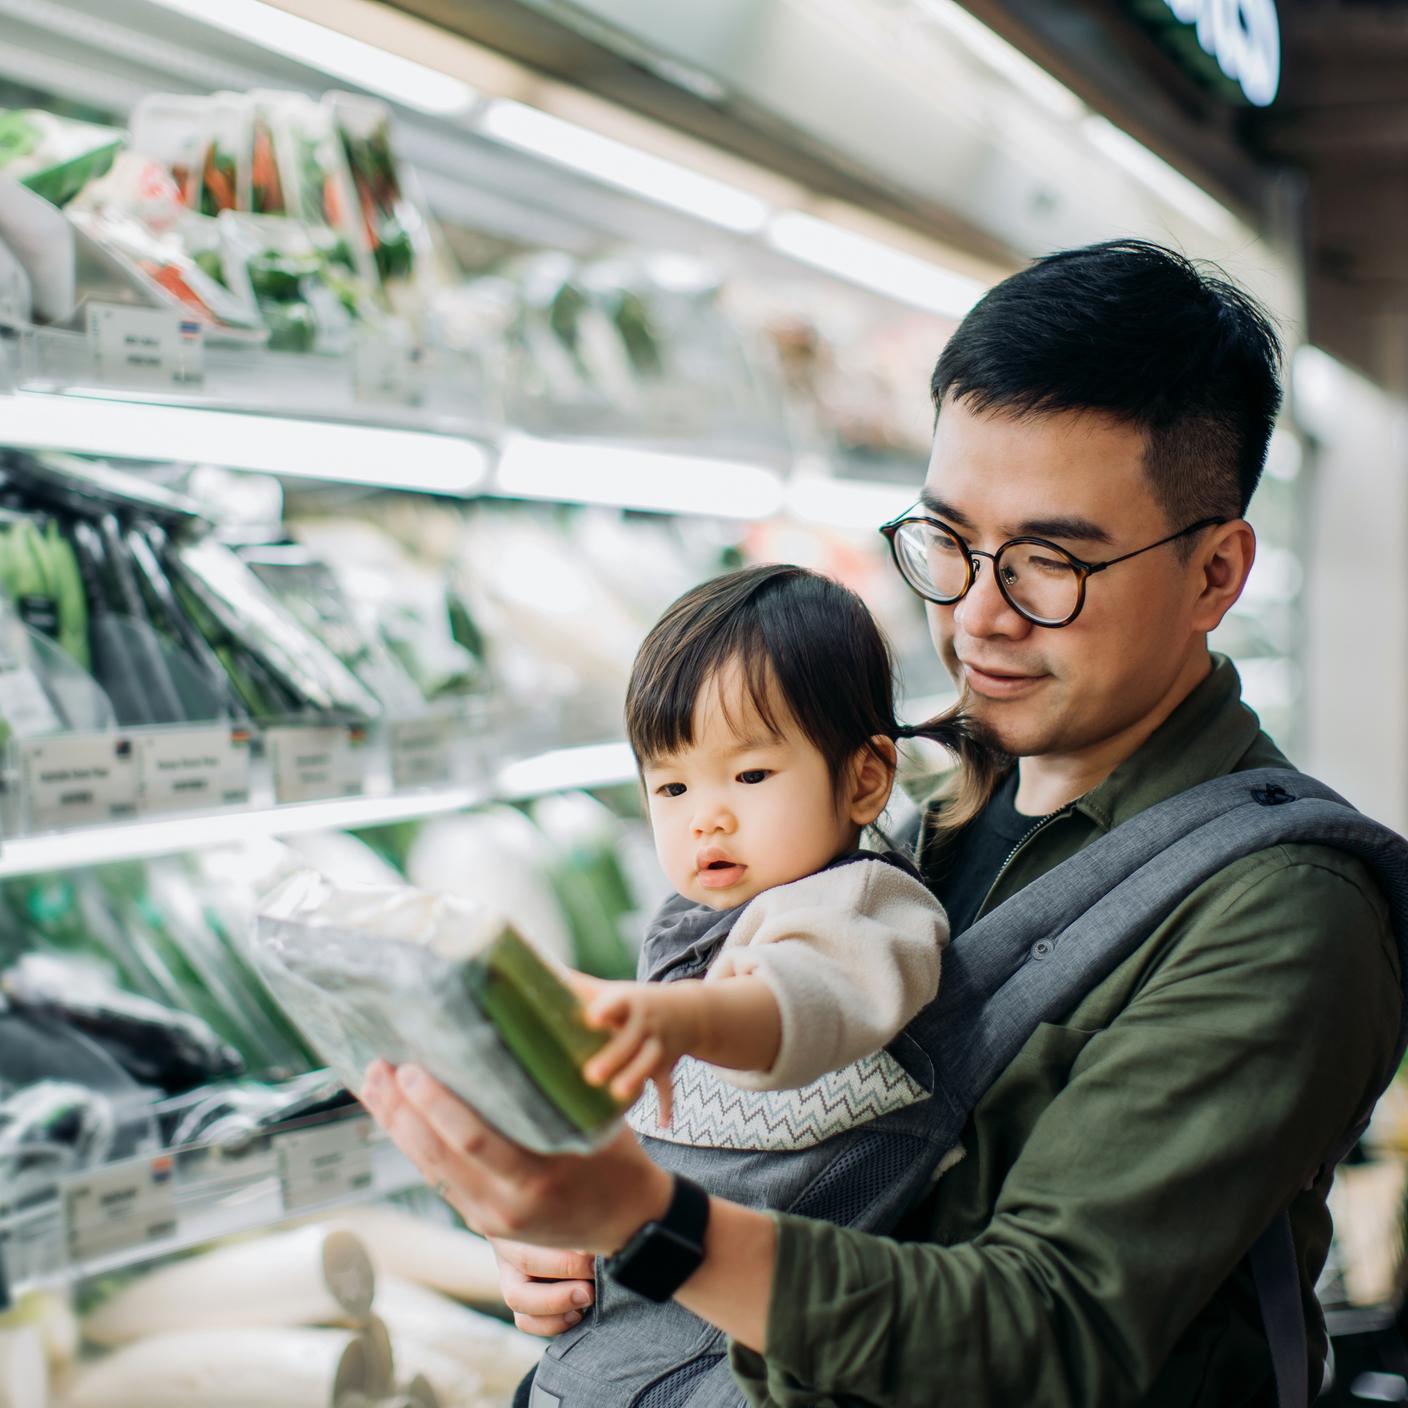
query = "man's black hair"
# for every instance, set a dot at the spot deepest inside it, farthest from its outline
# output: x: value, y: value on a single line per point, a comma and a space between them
x: 1140, y: 333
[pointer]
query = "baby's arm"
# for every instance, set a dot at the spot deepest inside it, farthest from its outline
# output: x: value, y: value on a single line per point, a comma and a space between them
x: 732, y: 1022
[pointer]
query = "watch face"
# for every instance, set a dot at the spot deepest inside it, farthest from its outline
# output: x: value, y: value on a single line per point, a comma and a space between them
x: 656, y: 1262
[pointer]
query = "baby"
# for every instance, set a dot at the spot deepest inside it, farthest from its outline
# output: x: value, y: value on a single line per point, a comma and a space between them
x: 772, y: 1043
x: 761, y: 714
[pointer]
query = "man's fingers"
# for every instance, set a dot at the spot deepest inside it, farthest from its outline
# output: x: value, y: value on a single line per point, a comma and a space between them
x: 547, y: 1325
x: 459, y: 1129
x: 551, y: 1263
x: 549, y: 1297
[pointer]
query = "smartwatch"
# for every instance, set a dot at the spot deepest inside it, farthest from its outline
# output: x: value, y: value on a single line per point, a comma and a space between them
x: 661, y: 1256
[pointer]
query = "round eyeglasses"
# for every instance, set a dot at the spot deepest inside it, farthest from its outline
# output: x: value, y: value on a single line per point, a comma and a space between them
x: 1041, y: 582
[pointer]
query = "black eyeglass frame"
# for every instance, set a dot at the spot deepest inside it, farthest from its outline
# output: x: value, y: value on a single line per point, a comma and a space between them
x: 1084, y: 570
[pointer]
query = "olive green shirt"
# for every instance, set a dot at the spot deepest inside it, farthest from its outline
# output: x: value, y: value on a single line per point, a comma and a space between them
x: 1089, y: 1249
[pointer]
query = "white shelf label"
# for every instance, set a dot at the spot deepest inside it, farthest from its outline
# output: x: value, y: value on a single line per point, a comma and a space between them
x: 324, y: 1163
x: 77, y: 779
x: 422, y: 753
x: 152, y: 346
x: 313, y: 764
x: 188, y: 768
x: 125, y: 1205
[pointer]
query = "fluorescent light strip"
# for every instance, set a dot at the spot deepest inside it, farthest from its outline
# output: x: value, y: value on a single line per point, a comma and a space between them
x: 595, y: 765
x: 873, y: 265
x: 67, y: 850
x: 579, y: 472
x: 1004, y: 58
x: 350, y: 454
x: 848, y: 503
x: 331, y: 52
x: 1164, y: 180
x: 624, y: 166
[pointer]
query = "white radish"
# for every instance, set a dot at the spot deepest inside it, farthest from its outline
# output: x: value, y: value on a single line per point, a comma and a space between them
x: 426, y: 1253
x: 24, y: 1373
x: 305, y: 1277
x: 453, y: 1383
x: 498, y: 1353
x: 225, y: 1368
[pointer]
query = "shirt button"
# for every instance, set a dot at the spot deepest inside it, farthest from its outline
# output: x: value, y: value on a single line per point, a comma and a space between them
x: 1041, y: 948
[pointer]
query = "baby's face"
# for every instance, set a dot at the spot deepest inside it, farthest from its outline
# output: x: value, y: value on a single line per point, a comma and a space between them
x: 742, y: 809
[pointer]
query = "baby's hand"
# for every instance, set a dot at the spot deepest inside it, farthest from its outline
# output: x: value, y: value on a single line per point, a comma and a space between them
x: 651, y: 1027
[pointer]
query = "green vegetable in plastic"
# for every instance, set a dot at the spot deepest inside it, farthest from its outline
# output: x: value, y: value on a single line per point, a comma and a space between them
x: 540, y: 1021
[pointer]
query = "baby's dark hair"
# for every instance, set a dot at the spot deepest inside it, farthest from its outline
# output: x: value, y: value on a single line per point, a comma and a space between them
x: 800, y: 639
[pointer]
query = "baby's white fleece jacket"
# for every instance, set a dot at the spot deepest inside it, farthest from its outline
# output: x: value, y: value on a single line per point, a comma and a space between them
x: 851, y: 955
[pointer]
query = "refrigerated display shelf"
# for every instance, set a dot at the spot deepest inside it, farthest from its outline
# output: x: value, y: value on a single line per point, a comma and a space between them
x: 589, y: 766
x: 122, y: 1214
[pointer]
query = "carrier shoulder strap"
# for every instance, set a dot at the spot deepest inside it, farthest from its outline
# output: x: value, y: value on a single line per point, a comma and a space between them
x: 1031, y: 959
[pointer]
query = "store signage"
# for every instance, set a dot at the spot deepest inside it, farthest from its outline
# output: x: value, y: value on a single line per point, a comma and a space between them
x: 1244, y: 36
x: 78, y: 779
x: 314, y: 764
x: 324, y: 1163
x: 131, y: 1204
x: 146, y: 346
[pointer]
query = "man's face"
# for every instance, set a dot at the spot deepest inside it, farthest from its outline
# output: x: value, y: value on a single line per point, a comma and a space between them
x: 1078, y: 479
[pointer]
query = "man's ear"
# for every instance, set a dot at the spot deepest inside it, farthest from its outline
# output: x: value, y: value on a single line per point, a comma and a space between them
x: 1224, y: 562
x: 871, y: 780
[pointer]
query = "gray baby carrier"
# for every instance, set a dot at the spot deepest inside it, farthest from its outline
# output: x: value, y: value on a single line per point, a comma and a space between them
x: 860, y: 1146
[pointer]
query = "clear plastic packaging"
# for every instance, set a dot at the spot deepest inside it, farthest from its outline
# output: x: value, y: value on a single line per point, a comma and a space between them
x: 396, y: 972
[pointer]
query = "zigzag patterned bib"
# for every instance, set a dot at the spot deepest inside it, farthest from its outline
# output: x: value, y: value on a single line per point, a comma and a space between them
x: 709, y: 1113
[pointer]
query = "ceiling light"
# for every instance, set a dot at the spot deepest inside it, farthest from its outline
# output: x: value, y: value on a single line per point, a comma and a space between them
x: 874, y: 265
x: 626, y: 167
x: 340, y: 55
x: 309, y: 449
x: 1003, y: 58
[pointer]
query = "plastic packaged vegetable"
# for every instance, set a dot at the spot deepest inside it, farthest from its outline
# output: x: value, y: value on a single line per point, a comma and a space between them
x: 373, y: 971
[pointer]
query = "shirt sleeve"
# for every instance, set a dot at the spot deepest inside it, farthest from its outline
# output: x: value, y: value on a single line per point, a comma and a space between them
x: 850, y: 954
x: 1185, y: 1127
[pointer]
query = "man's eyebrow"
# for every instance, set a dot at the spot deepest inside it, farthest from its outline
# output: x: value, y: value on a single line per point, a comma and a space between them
x: 1072, y: 527
x: 1079, y: 529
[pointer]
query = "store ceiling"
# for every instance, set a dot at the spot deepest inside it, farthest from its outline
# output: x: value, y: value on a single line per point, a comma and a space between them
x: 1326, y: 166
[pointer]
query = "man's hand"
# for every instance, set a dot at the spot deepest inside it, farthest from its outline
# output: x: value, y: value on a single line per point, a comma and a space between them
x: 547, y: 1289
x: 652, y: 1025
x: 591, y: 1201
x: 594, y: 1202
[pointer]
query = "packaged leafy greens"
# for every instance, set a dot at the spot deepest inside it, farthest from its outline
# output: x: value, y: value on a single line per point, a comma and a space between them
x: 399, y: 973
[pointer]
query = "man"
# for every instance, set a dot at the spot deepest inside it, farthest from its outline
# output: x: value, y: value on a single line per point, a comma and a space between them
x: 1114, y: 403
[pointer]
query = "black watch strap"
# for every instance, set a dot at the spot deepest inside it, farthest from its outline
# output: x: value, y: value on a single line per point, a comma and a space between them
x: 667, y: 1251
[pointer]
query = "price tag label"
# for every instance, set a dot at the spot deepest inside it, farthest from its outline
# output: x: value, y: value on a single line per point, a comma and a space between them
x: 324, y: 1163
x: 78, y: 779
x: 150, y: 346
x: 422, y: 753
x: 131, y: 1204
x: 313, y: 764
x: 183, y: 769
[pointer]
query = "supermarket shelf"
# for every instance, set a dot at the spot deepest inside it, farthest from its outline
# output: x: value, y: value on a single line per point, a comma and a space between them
x: 595, y: 765
x: 184, y: 1198
x: 130, y: 840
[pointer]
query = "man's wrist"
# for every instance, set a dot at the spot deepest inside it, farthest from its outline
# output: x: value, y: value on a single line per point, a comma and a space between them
x: 649, y: 1204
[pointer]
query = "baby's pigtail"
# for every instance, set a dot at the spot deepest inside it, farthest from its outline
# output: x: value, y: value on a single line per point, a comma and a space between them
x: 981, y: 762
